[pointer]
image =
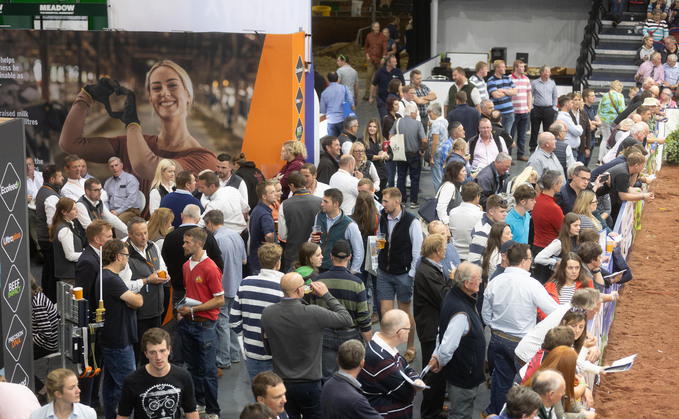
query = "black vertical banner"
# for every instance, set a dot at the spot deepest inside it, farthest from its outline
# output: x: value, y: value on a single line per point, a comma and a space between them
x: 15, y: 284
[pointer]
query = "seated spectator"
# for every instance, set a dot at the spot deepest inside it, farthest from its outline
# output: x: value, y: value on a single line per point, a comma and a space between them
x: 162, y: 183
x: 656, y: 27
x: 45, y: 323
x: 449, y: 196
x: 73, y: 188
x: 64, y: 394
x: 463, y: 218
x: 671, y: 81
x: 342, y: 397
x: 518, y: 218
x: 492, y: 177
x: 294, y: 154
x: 644, y: 52
x: 123, y: 191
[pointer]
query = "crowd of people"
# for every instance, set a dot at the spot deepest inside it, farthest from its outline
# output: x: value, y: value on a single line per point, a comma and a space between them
x: 302, y: 265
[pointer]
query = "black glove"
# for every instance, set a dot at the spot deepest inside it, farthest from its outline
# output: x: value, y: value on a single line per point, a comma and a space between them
x: 129, y: 114
x: 101, y: 93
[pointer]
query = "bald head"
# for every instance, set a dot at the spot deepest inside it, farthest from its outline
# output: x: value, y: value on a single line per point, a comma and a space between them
x: 347, y: 163
x: 547, y: 141
x: 290, y: 282
x: 393, y: 320
x: 550, y: 386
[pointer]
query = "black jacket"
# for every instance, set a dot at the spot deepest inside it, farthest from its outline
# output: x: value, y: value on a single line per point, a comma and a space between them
x: 431, y: 285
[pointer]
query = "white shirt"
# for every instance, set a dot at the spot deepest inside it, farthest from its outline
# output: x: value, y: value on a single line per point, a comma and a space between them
x: 348, y: 185
x: 106, y: 215
x: 65, y: 236
x: 461, y: 222
x: 321, y: 188
x: 511, y: 301
x: 446, y: 193
x: 32, y: 186
x: 402, y: 105
x: 229, y: 201
x: 73, y: 189
x: 154, y: 198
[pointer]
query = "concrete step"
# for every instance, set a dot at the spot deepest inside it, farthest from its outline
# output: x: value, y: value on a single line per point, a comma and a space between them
x: 615, y: 67
x: 607, y: 83
x: 626, y: 38
x: 615, y: 52
x: 609, y: 24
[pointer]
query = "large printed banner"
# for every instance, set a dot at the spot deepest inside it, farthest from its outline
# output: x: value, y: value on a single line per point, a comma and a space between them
x: 210, y: 102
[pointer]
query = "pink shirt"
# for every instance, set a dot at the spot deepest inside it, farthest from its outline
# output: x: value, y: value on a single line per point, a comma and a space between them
x: 520, y: 101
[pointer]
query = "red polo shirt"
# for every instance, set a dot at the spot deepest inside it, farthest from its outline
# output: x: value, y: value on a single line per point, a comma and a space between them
x: 547, y: 218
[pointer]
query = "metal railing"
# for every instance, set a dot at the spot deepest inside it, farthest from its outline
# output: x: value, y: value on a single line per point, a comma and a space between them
x: 583, y: 68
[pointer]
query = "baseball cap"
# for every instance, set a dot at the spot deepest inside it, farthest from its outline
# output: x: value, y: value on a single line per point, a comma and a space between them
x: 628, y: 142
x: 341, y: 249
x: 506, y: 245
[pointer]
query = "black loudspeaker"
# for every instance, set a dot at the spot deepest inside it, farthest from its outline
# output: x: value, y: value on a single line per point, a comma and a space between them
x: 498, y: 53
x: 523, y: 56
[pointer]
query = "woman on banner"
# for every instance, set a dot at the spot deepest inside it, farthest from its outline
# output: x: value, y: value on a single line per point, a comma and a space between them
x: 170, y: 93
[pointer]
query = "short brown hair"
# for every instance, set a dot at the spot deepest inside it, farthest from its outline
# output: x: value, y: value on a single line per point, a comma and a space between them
x: 210, y: 179
x: 92, y: 181
x: 269, y: 254
x: 216, y: 217
x: 350, y: 354
x: 263, y: 381
x: 296, y: 179
x: 480, y: 65
x: 558, y: 336
x: 524, y: 191
x: 588, y: 235
x: 183, y: 178
x: 310, y: 167
x: 95, y: 228
x: 495, y: 201
x: 461, y: 97
x: 635, y: 158
x: 517, y: 253
x: 470, y: 191
x: 589, y: 251
x: 155, y: 336
x: 71, y: 158
x: 197, y: 234
x: 111, y: 250
x: 257, y: 411
x: 393, y: 193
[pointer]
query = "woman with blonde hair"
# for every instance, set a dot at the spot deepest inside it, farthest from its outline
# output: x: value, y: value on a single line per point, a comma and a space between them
x: 529, y: 176
x: 170, y: 93
x: 377, y: 152
x: 364, y: 165
x: 611, y: 104
x: 294, y: 153
x: 162, y: 184
x: 586, y: 207
x: 159, y: 225
x: 64, y: 394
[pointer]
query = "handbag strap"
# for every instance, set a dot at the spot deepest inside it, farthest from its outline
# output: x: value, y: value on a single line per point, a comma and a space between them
x: 346, y: 93
x: 397, y: 126
x: 613, y: 103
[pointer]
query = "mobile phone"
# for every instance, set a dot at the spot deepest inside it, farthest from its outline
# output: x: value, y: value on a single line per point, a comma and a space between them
x: 604, y: 177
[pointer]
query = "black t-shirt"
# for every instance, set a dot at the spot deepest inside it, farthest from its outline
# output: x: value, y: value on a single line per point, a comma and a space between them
x: 120, y: 323
x: 157, y: 397
x: 620, y: 178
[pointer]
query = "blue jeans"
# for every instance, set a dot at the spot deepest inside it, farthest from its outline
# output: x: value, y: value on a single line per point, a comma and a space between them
x: 504, y: 367
x: 508, y: 120
x: 199, y: 343
x: 255, y: 366
x: 412, y: 166
x: 391, y: 169
x: 618, y: 6
x: 119, y: 364
x: 381, y: 107
x: 332, y: 339
x: 520, y: 126
x: 436, y: 173
x: 304, y: 398
x: 228, y: 349
x: 335, y: 129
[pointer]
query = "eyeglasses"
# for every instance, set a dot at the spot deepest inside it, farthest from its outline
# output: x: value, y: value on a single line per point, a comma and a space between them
x: 409, y: 329
x: 125, y: 254
x: 583, y: 178
x: 577, y: 310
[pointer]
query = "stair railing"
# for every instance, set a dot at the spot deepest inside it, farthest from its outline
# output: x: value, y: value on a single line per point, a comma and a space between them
x: 583, y: 68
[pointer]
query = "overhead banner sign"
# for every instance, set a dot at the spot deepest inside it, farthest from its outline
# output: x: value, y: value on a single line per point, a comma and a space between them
x: 42, y: 73
x: 15, y: 304
x: 52, y: 9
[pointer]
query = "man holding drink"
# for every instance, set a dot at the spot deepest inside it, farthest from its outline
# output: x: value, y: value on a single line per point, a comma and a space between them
x: 330, y: 225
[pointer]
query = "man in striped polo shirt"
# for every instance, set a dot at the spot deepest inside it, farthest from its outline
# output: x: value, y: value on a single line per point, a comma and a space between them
x: 501, y: 89
x: 255, y: 293
x: 350, y: 292
x: 522, y: 104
